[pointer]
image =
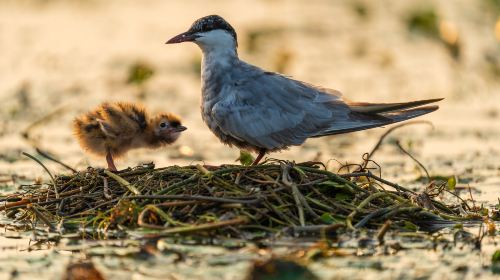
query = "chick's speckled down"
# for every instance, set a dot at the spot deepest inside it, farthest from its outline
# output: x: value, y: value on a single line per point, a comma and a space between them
x: 119, y: 127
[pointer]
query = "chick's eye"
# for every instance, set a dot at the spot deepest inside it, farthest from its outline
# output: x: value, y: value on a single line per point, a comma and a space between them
x: 162, y: 125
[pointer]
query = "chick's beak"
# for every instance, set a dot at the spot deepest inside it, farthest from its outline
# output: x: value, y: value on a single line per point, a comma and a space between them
x: 183, y: 37
x: 180, y: 128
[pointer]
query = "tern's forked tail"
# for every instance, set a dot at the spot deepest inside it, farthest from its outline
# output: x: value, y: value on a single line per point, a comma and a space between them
x: 361, y: 121
x: 375, y: 108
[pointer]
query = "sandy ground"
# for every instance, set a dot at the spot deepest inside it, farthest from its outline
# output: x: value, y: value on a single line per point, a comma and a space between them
x: 62, y: 58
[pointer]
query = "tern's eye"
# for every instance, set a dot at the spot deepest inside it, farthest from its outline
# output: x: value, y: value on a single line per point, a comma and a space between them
x: 163, y: 125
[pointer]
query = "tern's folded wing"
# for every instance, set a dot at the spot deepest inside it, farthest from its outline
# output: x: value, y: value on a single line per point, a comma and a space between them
x: 273, y: 112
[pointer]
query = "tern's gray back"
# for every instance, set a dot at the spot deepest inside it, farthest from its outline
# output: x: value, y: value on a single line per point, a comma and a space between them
x: 247, y: 106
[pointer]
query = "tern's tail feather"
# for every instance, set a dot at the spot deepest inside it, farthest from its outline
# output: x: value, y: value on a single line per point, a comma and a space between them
x: 362, y: 121
x: 403, y: 115
x: 374, y: 108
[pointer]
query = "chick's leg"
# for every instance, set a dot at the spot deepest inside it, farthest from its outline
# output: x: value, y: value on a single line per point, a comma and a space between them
x: 262, y: 153
x: 111, y: 163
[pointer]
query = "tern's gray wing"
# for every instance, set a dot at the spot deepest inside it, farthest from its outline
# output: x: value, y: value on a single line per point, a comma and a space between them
x: 272, y: 111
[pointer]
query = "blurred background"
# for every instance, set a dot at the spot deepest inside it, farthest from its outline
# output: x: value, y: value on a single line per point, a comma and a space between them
x: 60, y: 58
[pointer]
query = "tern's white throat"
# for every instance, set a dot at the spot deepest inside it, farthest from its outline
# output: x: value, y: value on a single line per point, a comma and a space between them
x: 218, y: 46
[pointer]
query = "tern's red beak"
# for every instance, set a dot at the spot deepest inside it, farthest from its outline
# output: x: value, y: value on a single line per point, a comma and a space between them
x: 183, y: 37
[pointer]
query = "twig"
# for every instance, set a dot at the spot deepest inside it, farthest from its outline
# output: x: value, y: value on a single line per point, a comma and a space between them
x: 41, y: 216
x: 189, y: 180
x: 381, y: 233
x: 471, y: 198
x: 336, y: 177
x: 179, y: 203
x: 203, y: 170
x: 197, y: 197
x: 49, y: 157
x: 208, y: 226
x: 161, y: 213
x: 398, y: 144
x: 314, y: 229
x: 287, y: 180
x: 26, y: 132
x: 105, y: 190
x: 279, y: 213
x: 47, y: 170
x: 366, y: 201
x: 457, y: 196
x: 373, y: 215
x: 298, y: 201
x: 122, y: 182
x: 381, y: 139
x: 370, y: 175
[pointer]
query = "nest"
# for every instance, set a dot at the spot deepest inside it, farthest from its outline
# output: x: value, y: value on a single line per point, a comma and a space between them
x: 277, y: 197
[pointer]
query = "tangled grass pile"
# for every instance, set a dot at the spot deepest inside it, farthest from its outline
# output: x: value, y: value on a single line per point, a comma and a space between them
x: 277, y: 197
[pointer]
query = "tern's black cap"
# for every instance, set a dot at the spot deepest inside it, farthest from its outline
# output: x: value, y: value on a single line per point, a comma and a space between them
x: 212, y: 22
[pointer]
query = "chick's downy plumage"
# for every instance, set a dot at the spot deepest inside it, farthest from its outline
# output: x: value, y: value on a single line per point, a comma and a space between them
x: 112, y: 129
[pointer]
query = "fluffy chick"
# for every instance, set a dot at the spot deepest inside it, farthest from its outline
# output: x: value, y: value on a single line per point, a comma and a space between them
x: 112, y: 129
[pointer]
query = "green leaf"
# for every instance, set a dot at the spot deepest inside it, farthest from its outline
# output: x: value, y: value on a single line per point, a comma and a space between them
x: 458, y: 226
x: 327, y: 218
x: 331, y: 184
x: 245, y: 158
x: 410, y: 226
x: 484, y: 211
x: 496, y: 257
x: 342, y: 196
x: 300, y: 171
x: 424, y: 21
x: 495, y: 262
x: 139, y: 72
x: 452, y: 183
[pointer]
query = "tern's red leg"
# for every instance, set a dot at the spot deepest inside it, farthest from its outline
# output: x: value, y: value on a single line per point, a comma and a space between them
x: 111, y: 163
x: 262, y: 153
